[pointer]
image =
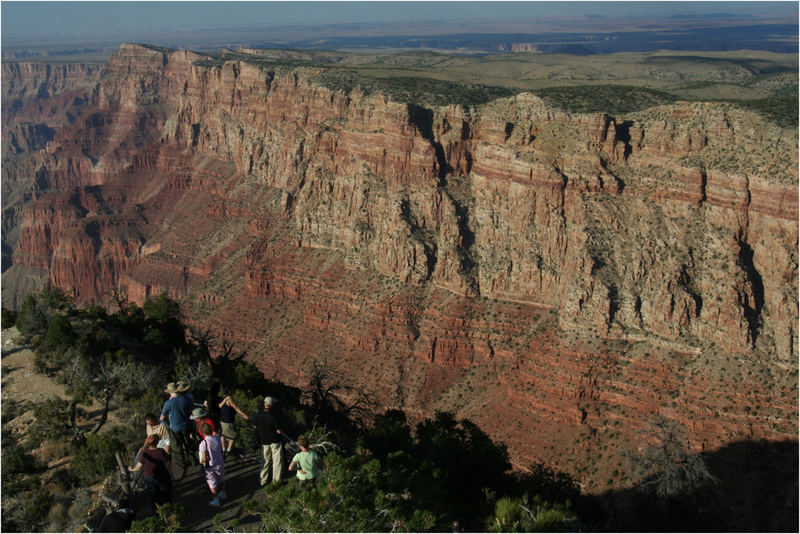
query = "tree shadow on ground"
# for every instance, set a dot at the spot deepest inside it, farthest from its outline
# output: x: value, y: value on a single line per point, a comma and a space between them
x: 9, y: 352
x: 756, y: 491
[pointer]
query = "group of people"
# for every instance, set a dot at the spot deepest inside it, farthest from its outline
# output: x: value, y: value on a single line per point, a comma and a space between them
x: 188, y: 433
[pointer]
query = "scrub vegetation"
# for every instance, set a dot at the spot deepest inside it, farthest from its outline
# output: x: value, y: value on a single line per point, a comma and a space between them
x: 763, y: 82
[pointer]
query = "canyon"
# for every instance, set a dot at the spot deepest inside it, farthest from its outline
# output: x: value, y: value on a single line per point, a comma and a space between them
x: 558, y: 278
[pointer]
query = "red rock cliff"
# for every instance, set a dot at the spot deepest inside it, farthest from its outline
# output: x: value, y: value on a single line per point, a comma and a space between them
x: 556, y: 277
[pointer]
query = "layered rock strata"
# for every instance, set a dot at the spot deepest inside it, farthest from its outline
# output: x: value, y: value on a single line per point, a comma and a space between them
x: 556, y: 277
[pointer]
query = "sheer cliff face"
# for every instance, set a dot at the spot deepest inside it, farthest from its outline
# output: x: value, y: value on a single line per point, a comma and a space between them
x: 525, y: 267
x: 37, y: 100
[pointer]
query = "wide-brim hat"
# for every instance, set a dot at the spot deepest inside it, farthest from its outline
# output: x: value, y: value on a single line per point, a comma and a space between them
x: 171, y: 388
x: 197, y: 413
x: 182, y: 386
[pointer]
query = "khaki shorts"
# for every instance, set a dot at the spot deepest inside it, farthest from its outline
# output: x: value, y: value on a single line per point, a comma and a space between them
x: 229, y: 431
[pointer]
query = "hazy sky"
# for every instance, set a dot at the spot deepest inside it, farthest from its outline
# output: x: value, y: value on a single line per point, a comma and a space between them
x: 94, y: 18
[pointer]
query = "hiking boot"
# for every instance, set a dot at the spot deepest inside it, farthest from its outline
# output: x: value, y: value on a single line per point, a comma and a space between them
x: 214, y: 502
x: 223, y: 494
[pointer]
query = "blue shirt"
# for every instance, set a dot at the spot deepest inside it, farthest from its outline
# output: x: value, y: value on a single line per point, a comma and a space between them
x: 178, y: 409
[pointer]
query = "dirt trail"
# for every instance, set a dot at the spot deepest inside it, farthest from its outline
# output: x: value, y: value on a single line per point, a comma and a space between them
x: 20, y: 383
x: 242, y: 483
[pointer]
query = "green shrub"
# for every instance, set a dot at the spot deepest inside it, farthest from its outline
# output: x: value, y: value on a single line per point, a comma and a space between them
x: 522, y: 514
x: 462, y: 461
x: 8, y: 319
x: 52, y: 422
x: 169, y: 518
x: 162, y: 308
x: 93, y: 311
x: 247, y: 377
x: 549, y: 483
x: 63, y: 479
x: 510, y: 517
x: 25, y: 511
x: 56, y: 450
x: 389, y: 433
x: 59, y: 333
x: 165, y: 328
x: 782, y: 110
x: 95, y: 459
x: 613, y: 99
x: 353, y: 497
x: 135, y: 407
x: 249, y: 404
x: 55, y: 298
x: 97, y: 341
x: 13, y: 409
x: 131, y: 320
x: 132, y: 436
x: 20, y: 484
x: 17, y: 460
x: 31, y: 319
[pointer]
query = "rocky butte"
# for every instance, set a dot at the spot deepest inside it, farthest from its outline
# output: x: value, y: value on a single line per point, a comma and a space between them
x: 558, y: 278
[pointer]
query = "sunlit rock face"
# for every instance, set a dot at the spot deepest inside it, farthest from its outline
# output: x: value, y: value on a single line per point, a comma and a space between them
x: 555, y: 277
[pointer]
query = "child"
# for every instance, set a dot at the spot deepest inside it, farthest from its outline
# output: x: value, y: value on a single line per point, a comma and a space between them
x: 213, y: 464
x: 307, y: 463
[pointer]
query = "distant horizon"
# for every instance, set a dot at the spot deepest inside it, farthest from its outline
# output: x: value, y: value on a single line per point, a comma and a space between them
x: 94, y: 21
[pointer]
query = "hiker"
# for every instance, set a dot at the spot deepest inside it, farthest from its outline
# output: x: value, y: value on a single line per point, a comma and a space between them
x: 269, y: 436
x: 200, y: 416
x: 156, y: 475
x: 212, y: 404
x: 213, y: 464
x: 307, y: 463
x: 178, y: 408
x: 155, y: 426
x: 227, y: 415
x: 186, y: 388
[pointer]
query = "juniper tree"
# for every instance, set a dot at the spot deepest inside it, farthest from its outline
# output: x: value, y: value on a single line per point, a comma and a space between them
x: 666, y: 464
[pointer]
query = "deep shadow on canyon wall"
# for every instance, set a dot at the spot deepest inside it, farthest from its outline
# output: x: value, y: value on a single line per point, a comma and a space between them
x: 756, y: 491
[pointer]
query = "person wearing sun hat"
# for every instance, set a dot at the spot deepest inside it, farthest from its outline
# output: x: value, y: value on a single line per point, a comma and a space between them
x: 177, y: 410
x: 184, y: 388
x: 200, y: 416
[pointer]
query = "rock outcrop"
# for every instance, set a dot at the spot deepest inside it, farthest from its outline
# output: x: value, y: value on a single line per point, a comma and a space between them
x: 556, y: 277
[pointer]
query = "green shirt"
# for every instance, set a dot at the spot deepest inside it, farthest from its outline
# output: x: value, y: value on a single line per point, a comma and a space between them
x: 307, y: 461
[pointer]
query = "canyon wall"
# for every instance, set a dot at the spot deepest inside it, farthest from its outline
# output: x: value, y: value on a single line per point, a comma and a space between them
x: 38, y: 100
x: 556, y: 277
